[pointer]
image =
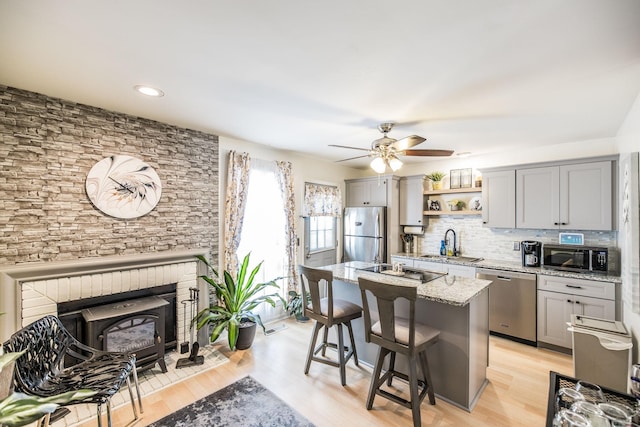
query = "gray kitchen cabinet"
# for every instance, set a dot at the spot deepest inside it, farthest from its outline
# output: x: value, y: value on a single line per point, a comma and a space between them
x: 560, y: 297
x: 411, y: 200
x: 573, y: 196
x: 379, y: 191
x: 460, y: 270
x: 499, y: 199
x: 367, y: 192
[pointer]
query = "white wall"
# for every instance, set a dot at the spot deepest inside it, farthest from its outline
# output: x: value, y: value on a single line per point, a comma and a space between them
x: 305, y: 169
x: 628, y: 141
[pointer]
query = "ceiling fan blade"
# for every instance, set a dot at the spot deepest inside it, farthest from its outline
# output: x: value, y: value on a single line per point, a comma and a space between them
x: 408, y: 142
x: 351, y: 158
x: 430, y: 153
x: 351, y: 148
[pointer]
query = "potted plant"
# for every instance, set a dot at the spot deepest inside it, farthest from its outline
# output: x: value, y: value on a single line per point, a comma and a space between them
x: 295, y: 306
x: 456, y: 205
x: 236, y: 298
x: 436, y: 179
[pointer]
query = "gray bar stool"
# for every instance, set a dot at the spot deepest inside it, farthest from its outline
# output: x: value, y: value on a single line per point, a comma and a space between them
x: 328, y: 312
x: 394, y: 335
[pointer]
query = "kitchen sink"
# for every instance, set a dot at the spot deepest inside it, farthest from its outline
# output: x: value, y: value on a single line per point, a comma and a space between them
x: 453, y: 258
x: 421, y: 275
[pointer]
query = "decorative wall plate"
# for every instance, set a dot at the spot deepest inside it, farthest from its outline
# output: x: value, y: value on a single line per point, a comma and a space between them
x: 123, y: 186
x: 475, y: 204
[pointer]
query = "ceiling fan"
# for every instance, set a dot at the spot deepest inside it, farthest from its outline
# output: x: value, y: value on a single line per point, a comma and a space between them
x: 385, y: 150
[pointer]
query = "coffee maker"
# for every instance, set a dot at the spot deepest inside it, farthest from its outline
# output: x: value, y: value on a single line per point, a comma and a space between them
x: 531, y: 251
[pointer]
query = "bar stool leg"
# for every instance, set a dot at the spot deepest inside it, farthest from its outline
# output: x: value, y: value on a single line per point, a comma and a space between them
x: 343, y: 373
x: 375, y: 377
x: 314, y: 337
x: 325, y: 337
x: 424, y: 362
x: 353, y: 343
x: 413, y: 387
x: 392, y: 367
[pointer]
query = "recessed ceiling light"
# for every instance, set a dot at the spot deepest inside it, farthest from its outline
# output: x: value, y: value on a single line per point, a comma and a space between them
x: 149, y: 91
x: 463, y: 154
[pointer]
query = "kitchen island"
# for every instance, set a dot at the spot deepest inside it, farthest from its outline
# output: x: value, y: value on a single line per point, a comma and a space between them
x: 457, y: 306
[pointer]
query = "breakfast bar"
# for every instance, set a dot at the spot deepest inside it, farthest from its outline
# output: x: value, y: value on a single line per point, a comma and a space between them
x: 457, y: 306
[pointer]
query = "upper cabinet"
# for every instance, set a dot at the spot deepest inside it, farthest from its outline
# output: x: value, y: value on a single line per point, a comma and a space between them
x: 411, y: 200
x: 499, y: 199
x: 378, y: 191
x: 367, y: 192
x: 573, y: 197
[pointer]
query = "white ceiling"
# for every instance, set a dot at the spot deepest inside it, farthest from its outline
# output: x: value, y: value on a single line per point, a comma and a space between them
x: 469, y: 75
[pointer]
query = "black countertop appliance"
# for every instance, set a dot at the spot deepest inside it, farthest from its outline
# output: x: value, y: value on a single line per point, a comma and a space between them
x: 531, y: 251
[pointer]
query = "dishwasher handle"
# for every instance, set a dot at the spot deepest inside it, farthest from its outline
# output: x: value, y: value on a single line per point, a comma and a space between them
x: 491, y: 274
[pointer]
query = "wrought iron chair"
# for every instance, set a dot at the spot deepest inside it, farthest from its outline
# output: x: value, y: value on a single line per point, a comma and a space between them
x: 41, y: 370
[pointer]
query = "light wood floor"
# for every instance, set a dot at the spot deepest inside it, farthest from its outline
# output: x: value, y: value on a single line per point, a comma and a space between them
x: 515, y: 396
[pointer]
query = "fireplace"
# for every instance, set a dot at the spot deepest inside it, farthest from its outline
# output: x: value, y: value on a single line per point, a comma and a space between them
x: 30, y: 291
x: 74, y: 318
x: 135, y: 326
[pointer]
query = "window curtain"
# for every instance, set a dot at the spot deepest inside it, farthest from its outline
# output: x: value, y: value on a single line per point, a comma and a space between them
x: 284, y: 175
x: 235, y: 202
x: 321, y: 200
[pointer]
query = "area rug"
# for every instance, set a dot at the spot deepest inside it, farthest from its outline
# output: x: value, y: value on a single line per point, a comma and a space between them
x: 244, y: 403
x: 151, y: 381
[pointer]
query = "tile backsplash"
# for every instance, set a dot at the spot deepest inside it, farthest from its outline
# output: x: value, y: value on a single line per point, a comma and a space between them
x: 495, y: 243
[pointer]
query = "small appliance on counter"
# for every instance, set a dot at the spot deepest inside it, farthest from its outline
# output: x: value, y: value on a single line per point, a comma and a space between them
x: 531, y: 251
x: 579, y: 259
x: 411, y: 239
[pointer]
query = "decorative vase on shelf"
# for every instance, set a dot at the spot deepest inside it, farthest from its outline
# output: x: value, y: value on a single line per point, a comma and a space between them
x: 436, y: 180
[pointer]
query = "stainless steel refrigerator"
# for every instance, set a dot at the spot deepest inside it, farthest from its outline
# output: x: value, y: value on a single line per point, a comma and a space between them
x: 365, y: 234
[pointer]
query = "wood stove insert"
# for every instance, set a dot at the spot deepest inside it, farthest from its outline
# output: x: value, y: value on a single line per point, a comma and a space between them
x: 136, y: 326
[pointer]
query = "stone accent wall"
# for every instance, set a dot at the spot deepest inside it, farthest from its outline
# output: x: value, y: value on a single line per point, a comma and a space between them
x: 48, y: 145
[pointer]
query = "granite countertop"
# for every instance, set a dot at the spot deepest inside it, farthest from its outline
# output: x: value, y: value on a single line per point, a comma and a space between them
x: 512, y: 266
x: 452, y: 290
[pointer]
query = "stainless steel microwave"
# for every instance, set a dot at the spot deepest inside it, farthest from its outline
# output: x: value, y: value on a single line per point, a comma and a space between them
x: 585, y: 259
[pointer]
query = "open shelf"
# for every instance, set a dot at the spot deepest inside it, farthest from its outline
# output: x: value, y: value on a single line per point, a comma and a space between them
x: 462, y: 212
x: 453, y: 191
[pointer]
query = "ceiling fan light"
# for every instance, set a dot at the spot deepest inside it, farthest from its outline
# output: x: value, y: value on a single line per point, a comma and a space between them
x: 378, y: 165
x: 395, y: 163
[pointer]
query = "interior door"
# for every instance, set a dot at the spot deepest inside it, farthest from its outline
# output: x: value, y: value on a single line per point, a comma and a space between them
x: 320, y: 243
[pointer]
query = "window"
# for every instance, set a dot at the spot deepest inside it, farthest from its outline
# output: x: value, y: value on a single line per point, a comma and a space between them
x: 322, y: 233
x: 263, y: 231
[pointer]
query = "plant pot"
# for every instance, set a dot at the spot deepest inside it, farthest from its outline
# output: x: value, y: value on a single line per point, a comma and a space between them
x: 246, y: 334
x: 436, y: 185
x: 302, y: 319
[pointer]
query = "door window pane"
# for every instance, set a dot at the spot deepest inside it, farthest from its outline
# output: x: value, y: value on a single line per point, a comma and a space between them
x: 322, y: 234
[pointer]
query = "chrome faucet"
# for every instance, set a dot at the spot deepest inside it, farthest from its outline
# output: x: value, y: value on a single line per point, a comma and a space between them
x: 446, y: 241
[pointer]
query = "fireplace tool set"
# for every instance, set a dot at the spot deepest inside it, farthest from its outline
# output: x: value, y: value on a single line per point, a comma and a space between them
x: 194, y: 358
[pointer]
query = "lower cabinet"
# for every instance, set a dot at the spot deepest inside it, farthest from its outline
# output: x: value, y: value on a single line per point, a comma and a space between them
x: 460, y: 270
x: 560, y: 297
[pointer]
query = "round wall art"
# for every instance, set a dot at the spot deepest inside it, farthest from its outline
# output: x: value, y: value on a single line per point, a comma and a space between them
x: 123, y: 186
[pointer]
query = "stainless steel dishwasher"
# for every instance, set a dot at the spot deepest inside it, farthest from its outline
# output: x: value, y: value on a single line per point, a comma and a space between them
x: 512, y: 303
